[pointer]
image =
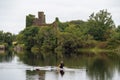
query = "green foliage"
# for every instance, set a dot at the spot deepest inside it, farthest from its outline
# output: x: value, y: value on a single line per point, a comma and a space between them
x: 77, y: 22
x: 29, y: 20
x: 46, y: 39
x: 100, y: 25
x: 27, y: 36
x: 1, y: 37
x: 70, y: 37
x: 115, y: 36
x: 114, y: 40
x: 118, y: 29
x: 6, y: 39
x: 74, y: 30
x: 62, y: 26
x: 68, y: 43
x: 57, y: 19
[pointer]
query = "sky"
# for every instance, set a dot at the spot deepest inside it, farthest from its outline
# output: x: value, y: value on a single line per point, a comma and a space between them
x: 13, y: 12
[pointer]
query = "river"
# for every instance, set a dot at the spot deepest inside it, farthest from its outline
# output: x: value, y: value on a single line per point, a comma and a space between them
x: 21, y: 67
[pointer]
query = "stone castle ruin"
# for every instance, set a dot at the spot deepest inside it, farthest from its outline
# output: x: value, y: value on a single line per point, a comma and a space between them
x: 31, y: 20
x: 40, y: 20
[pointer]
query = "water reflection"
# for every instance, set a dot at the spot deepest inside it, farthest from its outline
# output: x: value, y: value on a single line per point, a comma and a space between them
x: 100, y: 69
x: 6, y: 56
x: 33, y: 75
x: 55, y: 75
x: 103, y: 66
x: 62, y: 72
x: 33, y: 60
x: 52, y: 75
x: 9, y: 67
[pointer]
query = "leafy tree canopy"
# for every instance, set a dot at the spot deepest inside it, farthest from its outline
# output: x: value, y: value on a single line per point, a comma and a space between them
x: 100, y: 25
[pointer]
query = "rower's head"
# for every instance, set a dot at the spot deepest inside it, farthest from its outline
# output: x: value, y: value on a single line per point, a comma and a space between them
x: 61, y: 62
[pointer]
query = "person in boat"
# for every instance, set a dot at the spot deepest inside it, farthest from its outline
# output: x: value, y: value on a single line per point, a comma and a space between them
x: 61, y: 65
x: 61, y: 68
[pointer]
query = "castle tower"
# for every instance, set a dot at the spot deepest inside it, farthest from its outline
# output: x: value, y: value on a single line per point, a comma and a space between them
x: 41, y: 17
x: 40, y: 21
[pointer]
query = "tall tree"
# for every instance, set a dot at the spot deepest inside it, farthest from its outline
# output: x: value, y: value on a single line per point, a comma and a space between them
x: 100, y: 25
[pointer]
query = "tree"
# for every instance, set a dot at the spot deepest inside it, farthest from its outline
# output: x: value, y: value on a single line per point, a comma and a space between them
x: 61, y: 26
x: 116, y: 34
x: 29, y: 20
x: 46, y: 39
x: 1, y: 36
x: 77, y: 22
x: 100, y: 25
x: 27, y: 36
x: 118, y: 29
x: 68, y: 43
x: 8, y: 38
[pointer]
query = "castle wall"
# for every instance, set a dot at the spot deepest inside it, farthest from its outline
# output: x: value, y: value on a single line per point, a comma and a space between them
x: 41, y: 17
x: 40, y: 20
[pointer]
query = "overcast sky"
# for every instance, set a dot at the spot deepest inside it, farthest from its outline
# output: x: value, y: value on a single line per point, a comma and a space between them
x: 13, y: 12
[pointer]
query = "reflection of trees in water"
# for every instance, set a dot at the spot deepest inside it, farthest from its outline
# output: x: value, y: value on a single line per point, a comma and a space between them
x: 6, y: 57
x: 52, y: 60
x: 115, y: 59
x: 34, y: 60
x: 101, y: 68
x: 35, y: 75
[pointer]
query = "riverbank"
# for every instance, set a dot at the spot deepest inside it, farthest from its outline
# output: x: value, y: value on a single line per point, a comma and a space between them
x: 96, y: 50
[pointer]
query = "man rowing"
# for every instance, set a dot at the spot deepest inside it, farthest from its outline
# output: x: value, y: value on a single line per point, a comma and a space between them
x: 61, y: 65
x: 61, y: 68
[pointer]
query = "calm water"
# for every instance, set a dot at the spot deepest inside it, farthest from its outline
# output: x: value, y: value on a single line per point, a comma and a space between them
x: 96, y: 67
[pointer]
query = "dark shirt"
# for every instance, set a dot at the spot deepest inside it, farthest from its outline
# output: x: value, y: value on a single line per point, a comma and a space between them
x: 61, y: 65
